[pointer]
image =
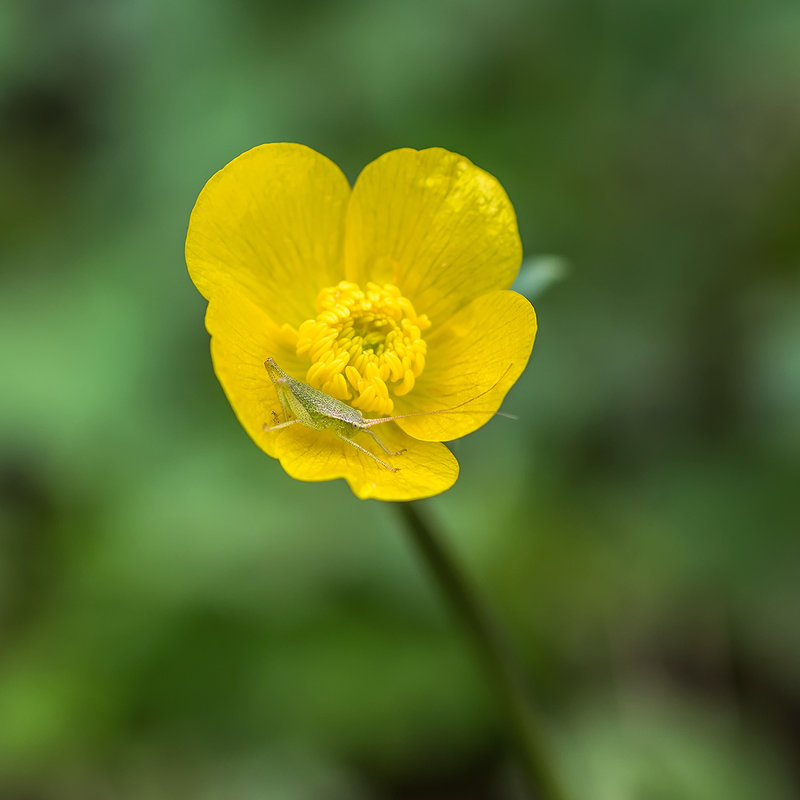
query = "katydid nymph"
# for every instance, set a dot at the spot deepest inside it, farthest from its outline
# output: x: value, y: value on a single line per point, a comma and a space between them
x: 304, y: 405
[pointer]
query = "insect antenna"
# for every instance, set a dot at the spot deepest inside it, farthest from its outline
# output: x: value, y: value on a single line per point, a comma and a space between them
x: 368, y: 423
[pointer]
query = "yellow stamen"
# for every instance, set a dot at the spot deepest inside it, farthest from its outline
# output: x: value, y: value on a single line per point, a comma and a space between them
x: 364, y: 344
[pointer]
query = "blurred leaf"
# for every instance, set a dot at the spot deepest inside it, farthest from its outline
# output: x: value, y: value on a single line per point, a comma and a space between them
x: 660, y: 746
x: 538, y: 273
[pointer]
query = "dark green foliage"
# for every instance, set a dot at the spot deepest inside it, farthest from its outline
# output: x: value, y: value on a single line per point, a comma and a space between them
x: 180, y: 619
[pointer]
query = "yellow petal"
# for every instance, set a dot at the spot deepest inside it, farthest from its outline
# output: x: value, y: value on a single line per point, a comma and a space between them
x: 423, y: 470
x: 271, y: 223
x: 472, y: 362
x: 434, y: 225
x: 242, y: 338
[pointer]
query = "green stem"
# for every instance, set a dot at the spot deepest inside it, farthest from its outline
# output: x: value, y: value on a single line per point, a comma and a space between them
x: 498, y: 664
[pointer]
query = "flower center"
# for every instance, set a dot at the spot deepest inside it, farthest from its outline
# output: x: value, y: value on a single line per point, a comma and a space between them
x: 365, y: 343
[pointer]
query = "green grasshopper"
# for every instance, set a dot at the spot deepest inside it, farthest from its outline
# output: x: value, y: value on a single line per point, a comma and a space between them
x: 304, y: 405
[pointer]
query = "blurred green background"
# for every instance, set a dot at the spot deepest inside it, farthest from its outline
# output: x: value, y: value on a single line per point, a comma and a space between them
x: 179, y: 619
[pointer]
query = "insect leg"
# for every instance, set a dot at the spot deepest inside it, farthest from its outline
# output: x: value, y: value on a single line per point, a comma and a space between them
x: 382, y: 445
x: 266, y: 427
x: 364, y: 450
x: 284, y: 404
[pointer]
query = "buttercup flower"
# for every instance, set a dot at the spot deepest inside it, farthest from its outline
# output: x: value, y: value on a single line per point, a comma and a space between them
x: 391, y: 296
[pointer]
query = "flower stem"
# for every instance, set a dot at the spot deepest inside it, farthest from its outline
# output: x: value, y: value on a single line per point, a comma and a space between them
x: 500, y: 668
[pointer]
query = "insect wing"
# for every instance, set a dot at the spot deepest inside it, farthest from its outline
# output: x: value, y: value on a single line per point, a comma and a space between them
x: 322, y: 404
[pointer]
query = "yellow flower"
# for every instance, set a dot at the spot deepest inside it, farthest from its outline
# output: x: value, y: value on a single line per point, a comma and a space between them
x: 391, y: 296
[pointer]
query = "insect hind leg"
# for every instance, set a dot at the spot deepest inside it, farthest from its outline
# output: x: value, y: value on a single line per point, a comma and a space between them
x: 367, y: 452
